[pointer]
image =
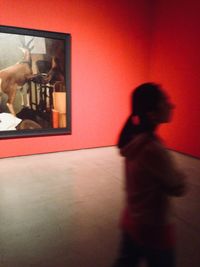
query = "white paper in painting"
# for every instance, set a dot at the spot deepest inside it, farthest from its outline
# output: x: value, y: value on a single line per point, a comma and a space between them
x: 8, y: 121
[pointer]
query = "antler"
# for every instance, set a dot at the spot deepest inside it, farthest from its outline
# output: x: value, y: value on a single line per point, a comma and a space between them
x: 22, y: 40
x: 28, y: 44
x: 24, y: 45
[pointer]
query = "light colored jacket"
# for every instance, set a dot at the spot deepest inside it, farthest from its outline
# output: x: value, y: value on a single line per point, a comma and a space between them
x: 152, y: 178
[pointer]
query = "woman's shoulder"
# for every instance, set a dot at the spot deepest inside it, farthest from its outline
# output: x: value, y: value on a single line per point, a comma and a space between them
x: 155, y: 146
x: 143, y: 142
x: 156, y: 155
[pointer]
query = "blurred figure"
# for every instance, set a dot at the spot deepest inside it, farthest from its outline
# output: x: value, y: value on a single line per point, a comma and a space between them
x: 151, y: 178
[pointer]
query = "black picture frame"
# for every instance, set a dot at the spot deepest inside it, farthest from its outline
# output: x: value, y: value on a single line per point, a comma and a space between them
x: 35, y: 82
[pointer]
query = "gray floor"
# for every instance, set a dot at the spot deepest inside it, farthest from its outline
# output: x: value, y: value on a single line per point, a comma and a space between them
x: 62, y: 209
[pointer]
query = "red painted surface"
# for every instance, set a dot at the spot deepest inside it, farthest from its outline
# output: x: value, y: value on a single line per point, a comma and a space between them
x: 175, y: 63
x: 112, y: 52
x: 109, y: 54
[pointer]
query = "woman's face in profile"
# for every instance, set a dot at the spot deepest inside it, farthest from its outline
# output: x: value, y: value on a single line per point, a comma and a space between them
x: 165, y: 108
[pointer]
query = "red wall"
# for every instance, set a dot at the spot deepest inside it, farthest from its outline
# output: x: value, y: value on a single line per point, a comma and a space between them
x: 115, y: 46
x: 110, y: 42
x: 175, y: 63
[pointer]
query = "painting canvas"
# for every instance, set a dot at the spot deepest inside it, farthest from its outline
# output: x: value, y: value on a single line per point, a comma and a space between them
x: 35, y: 93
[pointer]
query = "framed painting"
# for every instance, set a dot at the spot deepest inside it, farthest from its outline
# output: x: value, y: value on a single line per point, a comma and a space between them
x: 35, y: 82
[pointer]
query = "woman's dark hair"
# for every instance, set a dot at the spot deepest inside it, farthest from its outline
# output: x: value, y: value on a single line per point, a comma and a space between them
x: 145, y: 98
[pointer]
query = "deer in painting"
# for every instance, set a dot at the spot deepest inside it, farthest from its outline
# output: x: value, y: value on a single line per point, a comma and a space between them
x: 16, y: 75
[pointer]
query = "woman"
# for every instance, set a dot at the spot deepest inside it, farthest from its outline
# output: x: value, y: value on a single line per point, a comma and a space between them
x: 151, y: 179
